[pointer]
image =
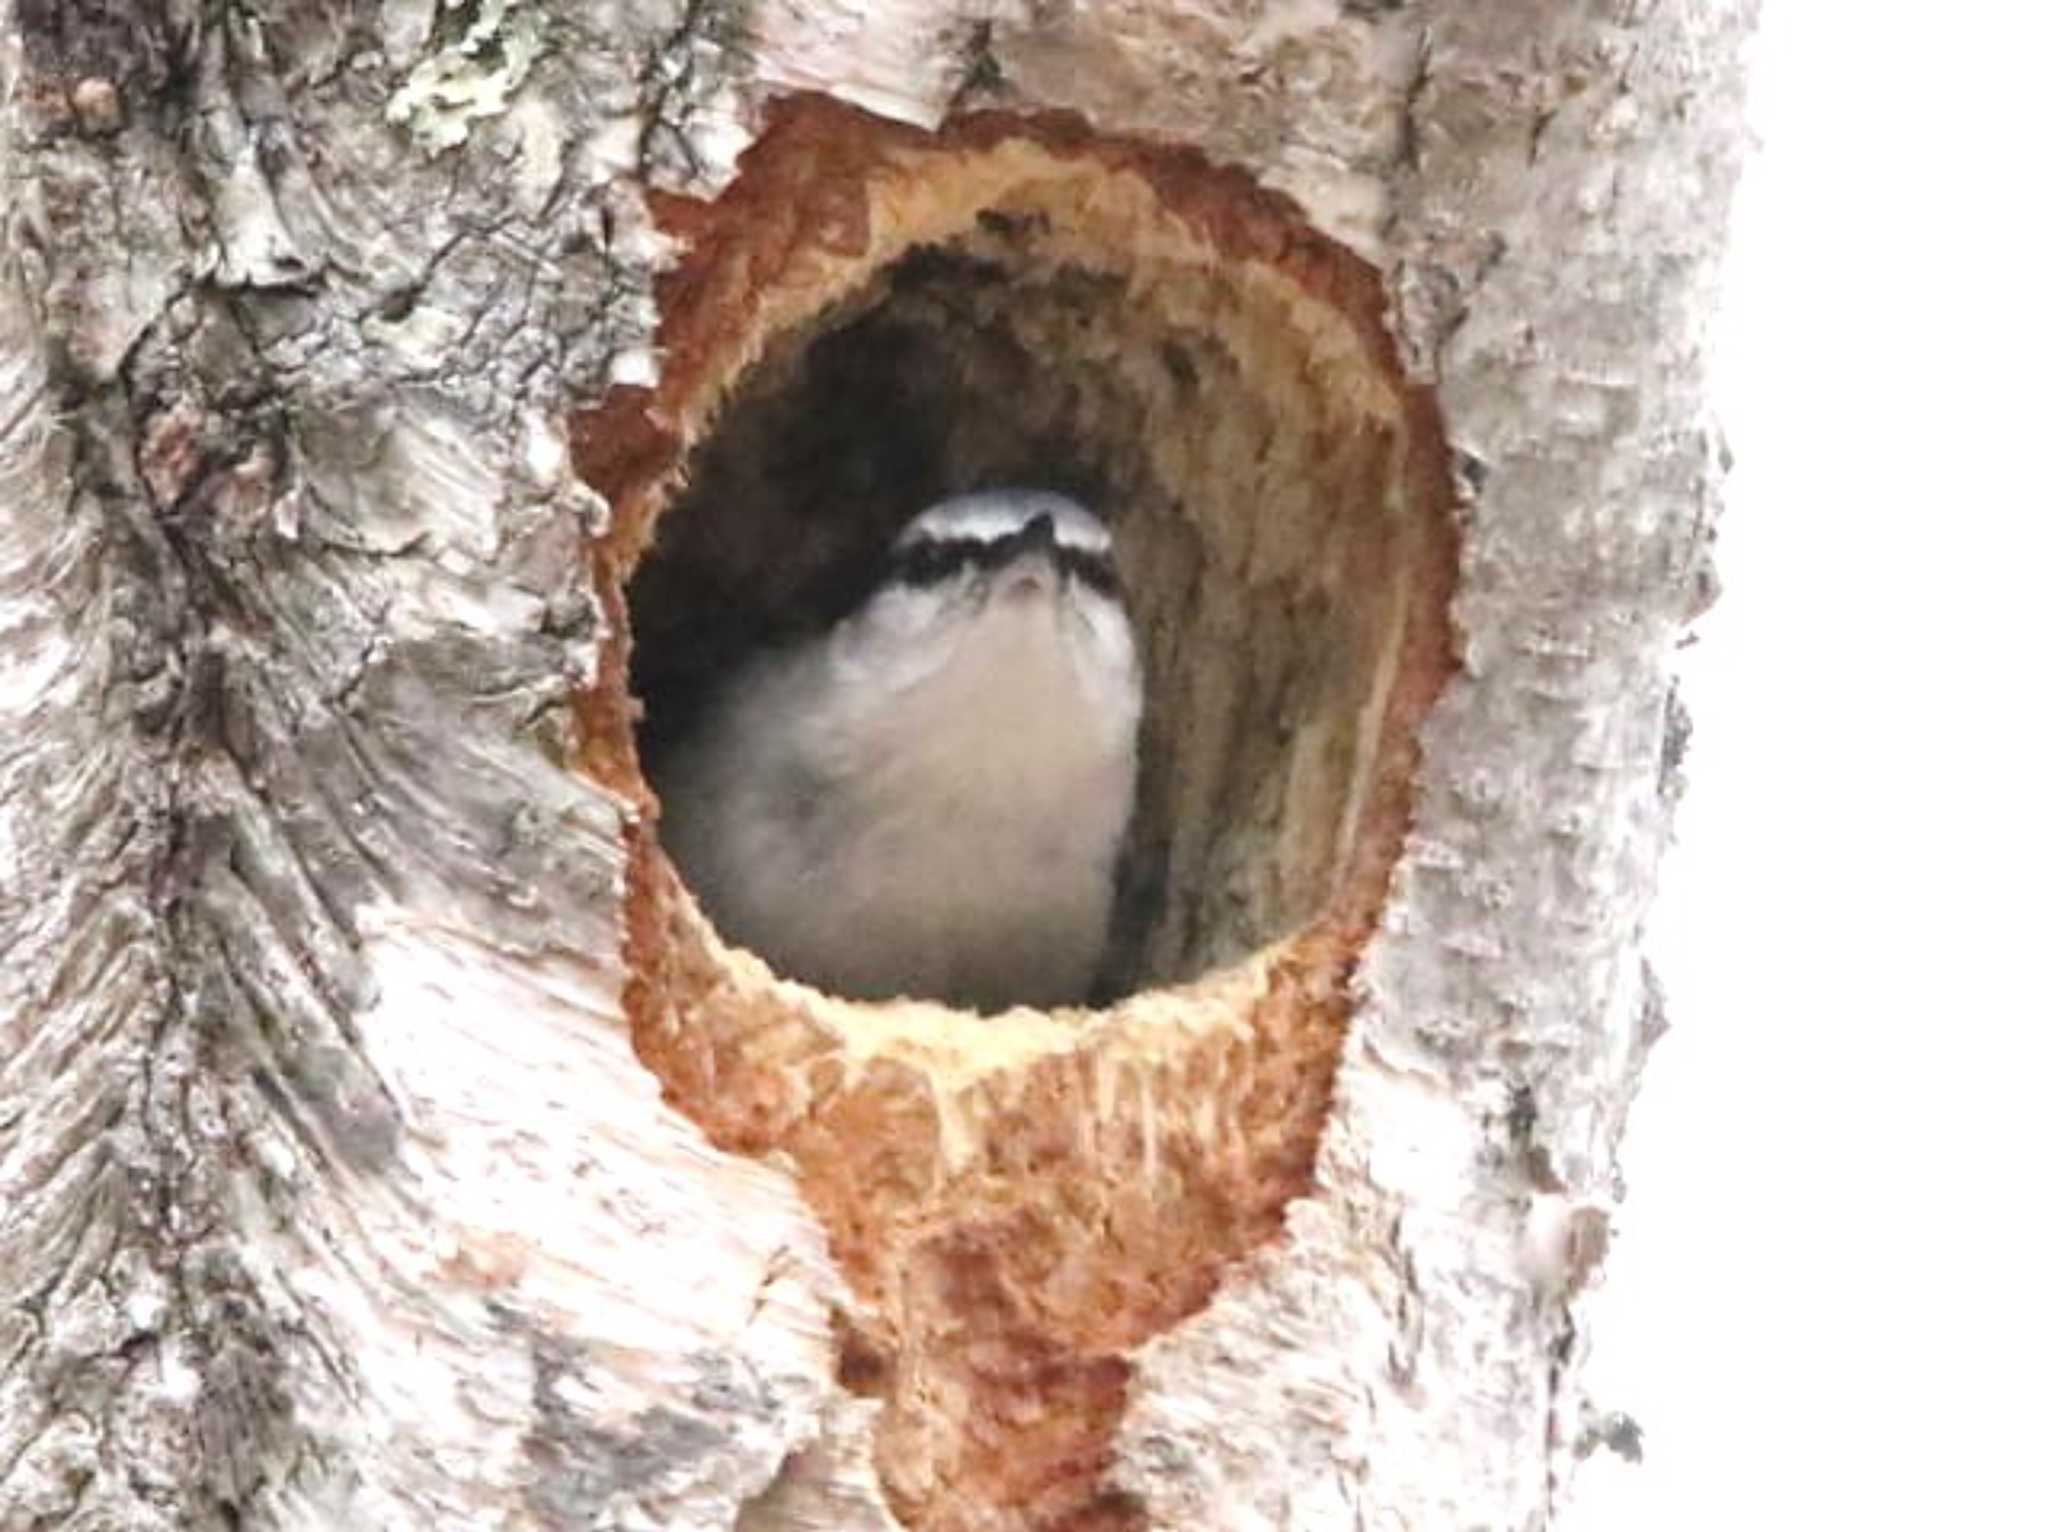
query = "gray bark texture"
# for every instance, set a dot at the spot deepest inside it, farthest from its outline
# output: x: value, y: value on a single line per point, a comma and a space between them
x: 348, y: 1176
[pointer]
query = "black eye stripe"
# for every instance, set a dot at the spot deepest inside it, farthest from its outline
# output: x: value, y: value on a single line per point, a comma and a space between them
x: 1093, y: 570
x: 929, y: 561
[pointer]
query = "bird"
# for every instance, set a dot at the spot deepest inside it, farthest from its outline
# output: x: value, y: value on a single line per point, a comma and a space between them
x: 928, y: 798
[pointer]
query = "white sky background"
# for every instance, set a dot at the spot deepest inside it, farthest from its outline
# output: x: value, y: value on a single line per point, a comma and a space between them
x: 1826, y: 1305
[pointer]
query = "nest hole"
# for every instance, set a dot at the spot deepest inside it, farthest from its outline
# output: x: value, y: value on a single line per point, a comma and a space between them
x: 869, y: 319
x: 1244, y: 448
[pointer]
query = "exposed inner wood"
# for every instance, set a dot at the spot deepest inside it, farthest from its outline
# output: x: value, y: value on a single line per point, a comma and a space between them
x: 870, y: 317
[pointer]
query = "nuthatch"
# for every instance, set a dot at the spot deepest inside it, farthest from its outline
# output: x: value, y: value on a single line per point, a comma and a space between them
x: 928, y: 799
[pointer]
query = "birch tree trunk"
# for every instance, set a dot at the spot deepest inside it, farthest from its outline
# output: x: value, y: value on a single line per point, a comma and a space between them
x: 387, y: 394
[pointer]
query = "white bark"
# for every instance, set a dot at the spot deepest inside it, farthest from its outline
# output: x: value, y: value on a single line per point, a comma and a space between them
x: 332, y: 1190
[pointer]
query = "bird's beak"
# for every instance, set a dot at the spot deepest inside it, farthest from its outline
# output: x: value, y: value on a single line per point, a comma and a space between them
x: 1032, y: 570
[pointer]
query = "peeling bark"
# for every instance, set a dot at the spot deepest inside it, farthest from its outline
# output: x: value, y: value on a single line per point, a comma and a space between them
x: 357, y: 1165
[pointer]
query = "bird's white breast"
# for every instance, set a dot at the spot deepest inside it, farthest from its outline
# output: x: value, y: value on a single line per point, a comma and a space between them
x: 948, y: 828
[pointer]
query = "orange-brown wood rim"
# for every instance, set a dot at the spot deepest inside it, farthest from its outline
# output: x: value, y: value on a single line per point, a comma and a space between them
x: 1003, y: 1277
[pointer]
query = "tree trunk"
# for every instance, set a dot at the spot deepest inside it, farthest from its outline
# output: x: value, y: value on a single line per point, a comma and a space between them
x: 399, y: 402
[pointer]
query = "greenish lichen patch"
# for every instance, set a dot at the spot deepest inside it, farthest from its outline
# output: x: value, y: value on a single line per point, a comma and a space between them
x: 485, y: 50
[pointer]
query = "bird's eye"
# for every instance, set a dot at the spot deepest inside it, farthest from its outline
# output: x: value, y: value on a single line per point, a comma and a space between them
x: 1093, y: 570
x: 925, y: 562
